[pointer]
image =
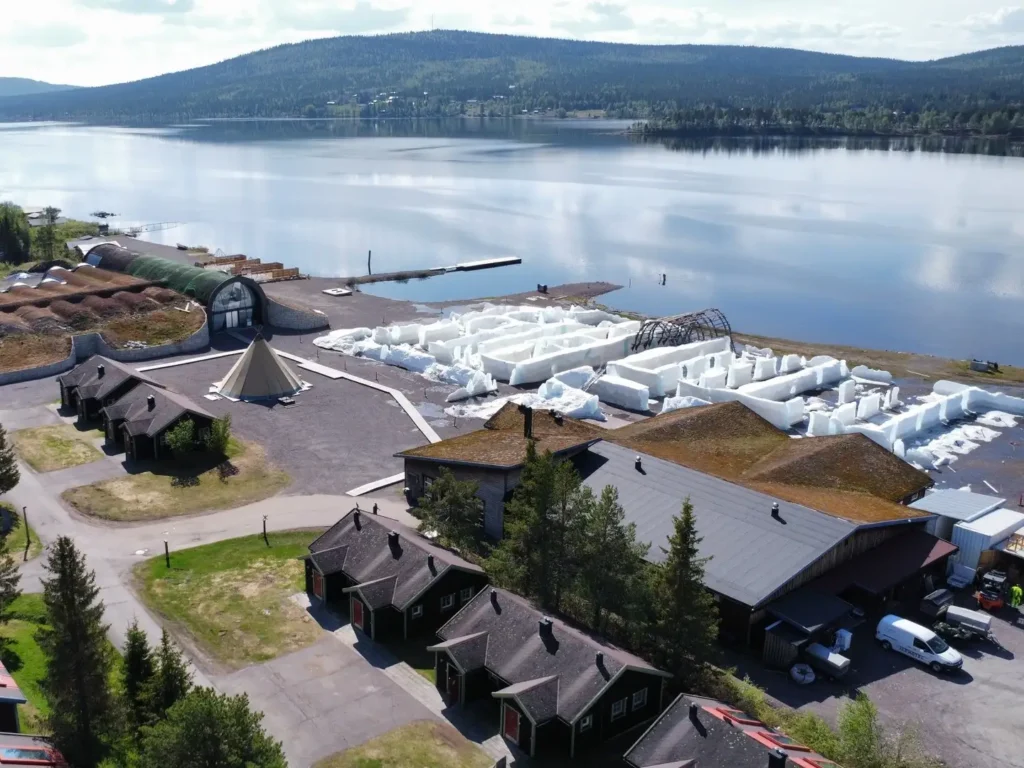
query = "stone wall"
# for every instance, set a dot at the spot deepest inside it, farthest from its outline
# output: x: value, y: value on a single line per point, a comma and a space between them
x: 292, y: 318
x: 89, y: 344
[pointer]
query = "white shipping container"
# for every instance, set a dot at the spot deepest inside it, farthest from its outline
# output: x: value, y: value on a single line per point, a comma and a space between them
x: 975, y: 537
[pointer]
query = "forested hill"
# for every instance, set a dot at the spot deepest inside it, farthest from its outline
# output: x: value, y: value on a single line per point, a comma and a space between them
x: 20, y: 86
x: 446, y: 72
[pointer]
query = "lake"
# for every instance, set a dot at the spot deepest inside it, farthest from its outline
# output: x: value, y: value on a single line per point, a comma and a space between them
x: 873, y: 246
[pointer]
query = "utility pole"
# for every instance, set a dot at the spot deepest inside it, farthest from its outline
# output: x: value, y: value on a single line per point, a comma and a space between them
x: 265, y: 539
x: 28, y: 534
x: 167, y: 553
x: 369, y: 256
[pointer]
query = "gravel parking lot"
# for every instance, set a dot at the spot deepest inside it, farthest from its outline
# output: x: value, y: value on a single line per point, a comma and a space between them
x: 970, y: 719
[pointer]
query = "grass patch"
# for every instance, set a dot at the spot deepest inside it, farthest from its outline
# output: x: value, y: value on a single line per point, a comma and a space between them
x: 72, y: 229
x: 169, y: 489
x: 164, y: 326
x: 16, y: 536
x: 47, y: 449
x: 232, y: 596
x: 24, y: 659
x: 31, y: 350
x: 417, y: 745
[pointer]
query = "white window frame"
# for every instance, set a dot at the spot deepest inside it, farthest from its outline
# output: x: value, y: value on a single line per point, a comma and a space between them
x: 466, y: 594
x: 416, y: 612
x: 621, y: 707
x: 586, y: 723
x: 642, y: 694
x: 448, y: 602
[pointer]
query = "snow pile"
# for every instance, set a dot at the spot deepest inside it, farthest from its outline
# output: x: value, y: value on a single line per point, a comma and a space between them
x: 343, y: 340
x: 624, y: 393
x: 872, y: 375
x: 552, y: 396
x: 679, y: 403
x: 578, y: 378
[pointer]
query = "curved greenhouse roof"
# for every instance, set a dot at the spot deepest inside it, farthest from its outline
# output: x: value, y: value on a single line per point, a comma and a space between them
x: 195, y: 282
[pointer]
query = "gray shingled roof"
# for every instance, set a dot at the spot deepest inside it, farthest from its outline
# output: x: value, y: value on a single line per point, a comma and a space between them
x: 674, y: 738
x: 468, y: 652
x: 386, y: 575
x: 753, y: 554
x: 86, y: 377
x: 538, y: 698
x: 168, y: 407
x: 518, y: 652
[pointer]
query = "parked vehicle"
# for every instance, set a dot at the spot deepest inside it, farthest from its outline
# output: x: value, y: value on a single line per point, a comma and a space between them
x: 917, y: 642
x: 824, y: 660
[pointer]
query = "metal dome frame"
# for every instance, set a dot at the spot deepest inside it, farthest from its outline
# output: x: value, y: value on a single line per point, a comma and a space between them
x: 682, y: 329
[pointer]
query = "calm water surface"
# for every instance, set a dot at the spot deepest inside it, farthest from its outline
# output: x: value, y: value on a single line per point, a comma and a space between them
x: 875, y: 247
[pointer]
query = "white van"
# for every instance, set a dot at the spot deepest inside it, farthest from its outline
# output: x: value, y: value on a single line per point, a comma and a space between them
x: 917, y: 642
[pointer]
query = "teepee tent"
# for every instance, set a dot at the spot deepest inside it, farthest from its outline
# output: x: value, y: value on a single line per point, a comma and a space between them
x: 260, y: 375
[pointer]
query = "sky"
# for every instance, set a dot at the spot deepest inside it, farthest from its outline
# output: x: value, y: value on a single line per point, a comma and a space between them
x: 95, y: 42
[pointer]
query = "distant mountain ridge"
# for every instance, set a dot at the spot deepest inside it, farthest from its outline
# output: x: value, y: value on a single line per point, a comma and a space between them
x: 439, y: 73
x: 21, y: 86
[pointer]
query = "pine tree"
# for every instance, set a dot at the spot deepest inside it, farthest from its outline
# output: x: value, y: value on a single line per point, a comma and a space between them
x: 138, y: 671
x: 612, y: 558
x: 452, y: 508
x: 688, y: 616
x: 566, y: 520
x: 9, y: 474
x: 10, y: 578
x: 78, y: 659
x: 172, y: 681
x: 209, y: 730
x: 521, y: 560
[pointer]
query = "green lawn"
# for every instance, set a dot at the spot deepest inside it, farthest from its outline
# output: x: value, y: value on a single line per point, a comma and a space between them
x: 232, y: 597
x: 24, y: 658
x: 47, y: 449
x: 167, y: 489
x: 417, y: 745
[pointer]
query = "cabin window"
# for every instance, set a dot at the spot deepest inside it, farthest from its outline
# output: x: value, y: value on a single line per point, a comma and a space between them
x: 640, y: 699
x: 466, y: 595
x: 417, y: 611
x: 447, y: 602
x: 586, y: 723
x: 619, y: 709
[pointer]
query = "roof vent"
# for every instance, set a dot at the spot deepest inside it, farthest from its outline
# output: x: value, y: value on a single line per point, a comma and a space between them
x: 393, y: 538
x: 545, y: 625
x: 558, y: 418
x: 355, y: 515
x: 494, y: 595
x: 527, y: 412
x: 150, y: 402
x: 639, y: 463
x: 776, y: 759
x: 430, y: 562
x: 100, y: 370
x: 775, y: 509
x: 600, y: 658
x: 694, y: 709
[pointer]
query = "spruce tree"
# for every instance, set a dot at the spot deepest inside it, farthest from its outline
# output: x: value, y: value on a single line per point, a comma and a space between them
x: 138, y: 671
x: 452, y: 508
x: 78, y: 658
x: 9, y: 474
x: 612, y: 559
x: 688, y: 615
x: 172, y: 681
x: 566, y: 520
x: 10, y: 578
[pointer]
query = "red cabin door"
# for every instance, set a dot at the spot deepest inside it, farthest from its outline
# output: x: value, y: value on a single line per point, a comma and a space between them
x: 318, y: 585
x: 357, y: 613
x: 511, y: 725
x: 453, y: 685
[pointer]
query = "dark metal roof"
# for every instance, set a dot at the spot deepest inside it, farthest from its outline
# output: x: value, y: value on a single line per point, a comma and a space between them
x: 518, y: 651
x: 91, y: 384
x: 887, y: 565
x: 364, y: 553
x: 168, y: 407
x: 753, y: 554
x: 809, y: 610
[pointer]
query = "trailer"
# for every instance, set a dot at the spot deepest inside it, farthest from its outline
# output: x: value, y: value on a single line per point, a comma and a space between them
x: 830, y: 664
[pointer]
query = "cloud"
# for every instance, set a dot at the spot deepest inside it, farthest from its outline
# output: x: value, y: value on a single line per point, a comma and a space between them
x: 156, y: 7
x: 601, y: 17
x: 1001, y: 23
x: 364, y: 16
x: 55, y: 35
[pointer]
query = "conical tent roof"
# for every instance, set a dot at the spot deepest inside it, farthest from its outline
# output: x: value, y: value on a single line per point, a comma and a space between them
x: 260, y: 375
